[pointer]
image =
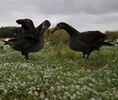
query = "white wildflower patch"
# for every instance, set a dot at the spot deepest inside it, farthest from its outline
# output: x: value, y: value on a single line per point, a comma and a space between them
x: 46, y: 77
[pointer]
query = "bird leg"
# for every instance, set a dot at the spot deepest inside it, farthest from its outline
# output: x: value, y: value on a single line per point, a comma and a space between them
x: 83, y: 55
x: 86, y: 56
x: 26, y: 56
x: 22, y: 53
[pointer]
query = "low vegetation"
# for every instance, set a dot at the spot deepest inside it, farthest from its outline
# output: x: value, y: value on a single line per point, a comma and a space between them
x: 58, y: 73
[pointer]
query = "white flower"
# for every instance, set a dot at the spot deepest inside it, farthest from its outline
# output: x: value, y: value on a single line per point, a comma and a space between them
x: 67, y: 94
x: 9, y: 80
x: 62, y: 87
x: 73, y: 97
x: 58, y: 88
x: 16, y: 87
x: 42, y: 95
x: 32, y: 88
x: 30, y: 92
x: 65, y: 97
x: 52, y: 88
x: 5, y: 91
x: 77, y: 86
x: 36, y: 93
x: 46, y: 99
x: 78, y: 93
x: 92, y: 98
x: 24, y: 83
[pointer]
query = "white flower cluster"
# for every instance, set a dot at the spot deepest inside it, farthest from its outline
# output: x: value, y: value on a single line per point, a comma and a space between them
x: 49, y: 79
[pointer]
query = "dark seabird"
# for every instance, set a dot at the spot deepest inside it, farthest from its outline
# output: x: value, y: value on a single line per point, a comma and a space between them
x: 85, y: 42
x: 32, y: 39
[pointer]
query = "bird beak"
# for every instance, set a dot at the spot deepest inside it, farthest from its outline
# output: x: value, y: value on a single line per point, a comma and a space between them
x: 19, y: 21
x: 42, y: 30
x: 55, y: 29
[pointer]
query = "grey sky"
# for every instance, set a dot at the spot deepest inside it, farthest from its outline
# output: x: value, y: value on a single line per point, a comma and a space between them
x: 81, y: 14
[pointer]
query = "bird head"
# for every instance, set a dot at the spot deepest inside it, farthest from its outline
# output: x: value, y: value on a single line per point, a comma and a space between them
x: 59, y: 26
x: 46, y: 24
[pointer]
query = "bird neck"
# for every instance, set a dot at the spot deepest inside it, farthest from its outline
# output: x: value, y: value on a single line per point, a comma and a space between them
x: 39, y: 27
x: 72, y: 31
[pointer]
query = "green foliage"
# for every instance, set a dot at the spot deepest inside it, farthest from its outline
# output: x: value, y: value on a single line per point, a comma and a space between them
x: 113, y: 35
x: 63, y: 51
x: 5, y: 32
x: 46, y: 34
x: 58, y: 37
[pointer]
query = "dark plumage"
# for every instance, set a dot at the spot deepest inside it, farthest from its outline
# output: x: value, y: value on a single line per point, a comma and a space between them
x: 16, y: 31
x: 32, y: 39
x: 85, y: 42
x: 29, y: 29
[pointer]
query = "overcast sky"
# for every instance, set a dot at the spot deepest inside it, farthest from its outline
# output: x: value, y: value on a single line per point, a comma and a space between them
x: 83, y: 15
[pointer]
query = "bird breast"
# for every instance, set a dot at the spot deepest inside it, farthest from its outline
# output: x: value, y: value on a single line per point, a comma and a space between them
x: 77, y: 45
x: 38, y: 46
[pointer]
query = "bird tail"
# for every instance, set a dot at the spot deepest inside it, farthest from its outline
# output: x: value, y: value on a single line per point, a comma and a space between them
x: 6, y: 42
x: 108, y: 44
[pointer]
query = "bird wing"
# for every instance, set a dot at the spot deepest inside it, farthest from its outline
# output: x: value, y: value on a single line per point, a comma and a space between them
x: 26, y: 24
x: 29, y: 29
x: 91, y: 36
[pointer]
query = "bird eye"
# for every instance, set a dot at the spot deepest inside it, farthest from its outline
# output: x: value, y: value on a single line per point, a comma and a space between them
x: 60, y: 25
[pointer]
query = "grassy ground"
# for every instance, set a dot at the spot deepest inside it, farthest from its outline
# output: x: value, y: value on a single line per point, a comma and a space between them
x: 58, y: 73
